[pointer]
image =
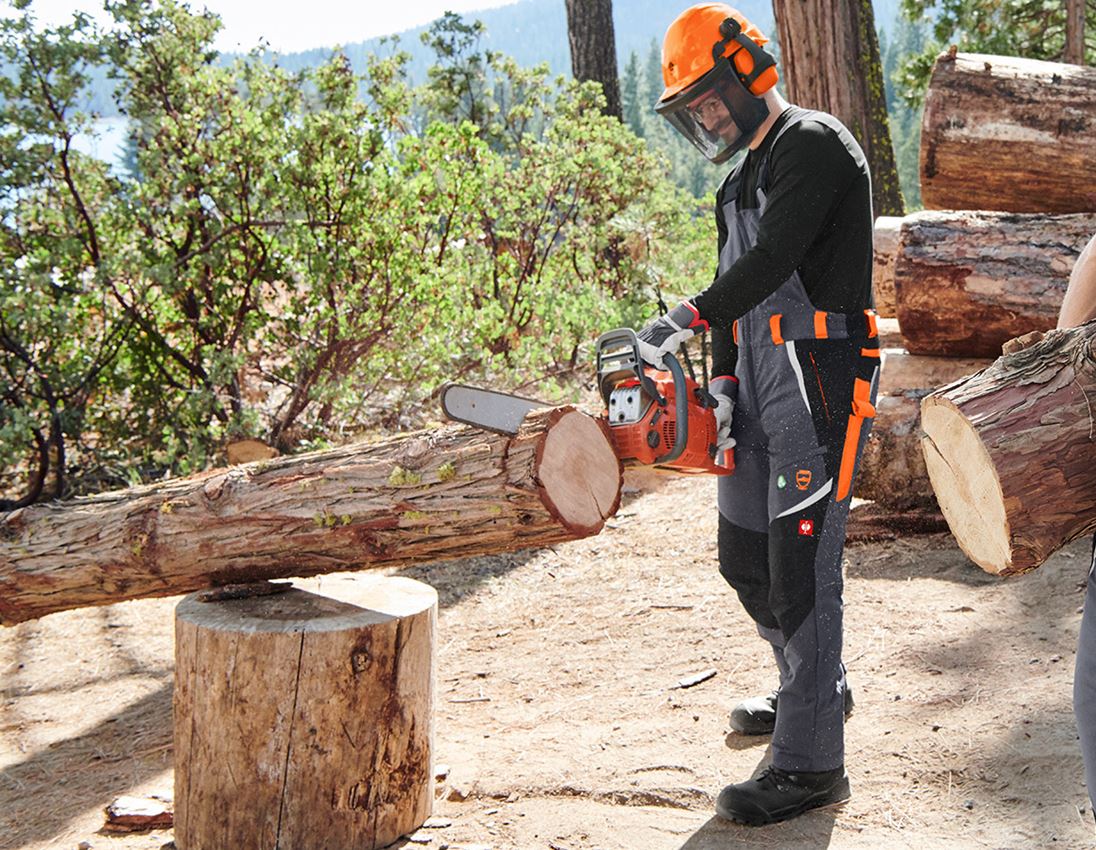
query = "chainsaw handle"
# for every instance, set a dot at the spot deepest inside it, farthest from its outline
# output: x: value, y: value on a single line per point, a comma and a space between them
x: 617, y: 353
x: 681, y: 411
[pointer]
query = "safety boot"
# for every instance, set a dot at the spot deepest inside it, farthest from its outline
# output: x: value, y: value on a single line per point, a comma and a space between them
x: 777, y: 795
x: 757, y: 715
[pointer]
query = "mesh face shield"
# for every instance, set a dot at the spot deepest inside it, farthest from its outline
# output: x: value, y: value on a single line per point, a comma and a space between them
x: 717, y: 113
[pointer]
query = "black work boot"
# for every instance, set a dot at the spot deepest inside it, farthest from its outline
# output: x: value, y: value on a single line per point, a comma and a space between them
x: 778, y: 795
x: 757, y: 715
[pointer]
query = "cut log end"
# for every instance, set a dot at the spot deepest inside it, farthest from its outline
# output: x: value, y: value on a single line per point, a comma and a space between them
x: 579, y: 473
x: 967, y: 487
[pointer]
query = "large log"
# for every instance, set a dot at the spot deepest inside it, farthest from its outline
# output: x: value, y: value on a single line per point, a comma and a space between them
x: 885, y: 238
x: 892, y: 468
x: 966, y: 282
x: 1011, y: 452
x: 305, y: 721
x: 1003, y: 133
x: 426, y: 496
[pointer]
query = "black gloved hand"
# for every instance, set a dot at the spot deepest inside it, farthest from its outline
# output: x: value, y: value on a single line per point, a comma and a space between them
x: 666, y: 334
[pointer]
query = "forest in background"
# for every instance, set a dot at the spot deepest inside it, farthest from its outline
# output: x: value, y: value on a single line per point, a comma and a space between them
x: 303, y: 255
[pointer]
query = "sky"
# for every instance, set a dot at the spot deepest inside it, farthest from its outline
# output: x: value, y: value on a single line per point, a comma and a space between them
x: 290, y: 26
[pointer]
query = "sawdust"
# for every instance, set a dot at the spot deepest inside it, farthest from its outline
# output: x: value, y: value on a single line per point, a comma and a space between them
x: 559, y: 717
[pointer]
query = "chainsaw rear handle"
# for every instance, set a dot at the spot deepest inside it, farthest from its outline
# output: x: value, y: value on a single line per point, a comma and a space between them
x: 618, y: 357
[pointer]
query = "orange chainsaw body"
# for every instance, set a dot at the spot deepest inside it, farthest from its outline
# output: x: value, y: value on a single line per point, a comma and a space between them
x: 657, y: 418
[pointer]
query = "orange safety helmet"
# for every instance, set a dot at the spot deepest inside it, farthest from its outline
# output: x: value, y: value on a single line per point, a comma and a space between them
x: 715, y: 71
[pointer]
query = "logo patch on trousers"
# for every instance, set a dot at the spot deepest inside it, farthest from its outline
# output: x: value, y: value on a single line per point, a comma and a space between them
x: 802, y: 478
x: 806, y: 528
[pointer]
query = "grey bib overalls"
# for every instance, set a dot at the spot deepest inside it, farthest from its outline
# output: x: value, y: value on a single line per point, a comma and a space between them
x: 807, y: 383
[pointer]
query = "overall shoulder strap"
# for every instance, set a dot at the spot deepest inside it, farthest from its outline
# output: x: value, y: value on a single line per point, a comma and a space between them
x: 795, y: 115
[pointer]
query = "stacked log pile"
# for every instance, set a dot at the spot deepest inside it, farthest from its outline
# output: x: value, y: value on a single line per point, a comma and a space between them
x: 1008, y: 178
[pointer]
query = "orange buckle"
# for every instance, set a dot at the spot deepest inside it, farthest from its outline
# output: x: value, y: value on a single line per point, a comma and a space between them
x: 861, y: 399
x: 734, y: 331
x: 774, y: 326
x: 820, y: 329
x: 873, y: 328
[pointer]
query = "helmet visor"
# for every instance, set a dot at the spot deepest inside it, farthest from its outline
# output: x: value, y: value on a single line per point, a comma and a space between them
x: 717, y: 114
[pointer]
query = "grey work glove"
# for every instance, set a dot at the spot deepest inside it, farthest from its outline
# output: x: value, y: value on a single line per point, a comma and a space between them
x: 725, y: 391
x: 666, y: 334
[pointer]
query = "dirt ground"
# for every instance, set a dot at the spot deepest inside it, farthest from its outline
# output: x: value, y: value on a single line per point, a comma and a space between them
x: 963, y: 734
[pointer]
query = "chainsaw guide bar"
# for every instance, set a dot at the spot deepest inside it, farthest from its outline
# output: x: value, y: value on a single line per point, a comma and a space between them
x: 500, y: 413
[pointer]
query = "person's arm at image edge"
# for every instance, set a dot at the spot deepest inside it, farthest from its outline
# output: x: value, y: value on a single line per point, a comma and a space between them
x: 1079, y: 304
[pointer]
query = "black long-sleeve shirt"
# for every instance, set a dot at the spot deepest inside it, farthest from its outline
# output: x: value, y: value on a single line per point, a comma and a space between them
x: 817, y: 220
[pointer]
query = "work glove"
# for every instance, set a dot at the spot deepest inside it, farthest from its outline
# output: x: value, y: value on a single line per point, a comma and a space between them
x: 725, y: 391
x: 666, y: 334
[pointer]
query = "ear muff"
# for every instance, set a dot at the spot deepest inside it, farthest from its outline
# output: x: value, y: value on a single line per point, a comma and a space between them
x: 754, y: 65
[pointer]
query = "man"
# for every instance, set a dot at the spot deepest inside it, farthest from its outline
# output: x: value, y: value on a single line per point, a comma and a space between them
x: 794, y: 340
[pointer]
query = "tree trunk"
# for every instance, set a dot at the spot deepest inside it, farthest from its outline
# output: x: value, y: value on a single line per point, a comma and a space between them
x: 305, y: 721
x: 1011, y: 452
x: 431, y: 495
x: 892, y: 469
x: 829, y: 56
x: 965, y: 282
x: 888, y: 231
x: 1002, y: 133
x: 1075, y: 32
x: 593, y: 48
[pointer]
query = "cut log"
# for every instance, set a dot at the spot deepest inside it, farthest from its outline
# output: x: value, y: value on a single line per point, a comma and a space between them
x: 892, y: 468
x: 427, y: 496
x: 888, y: 230
x: 1011, y: 452
x: 966, y: 282
x: 304, y: 721
x: 1011, y: 134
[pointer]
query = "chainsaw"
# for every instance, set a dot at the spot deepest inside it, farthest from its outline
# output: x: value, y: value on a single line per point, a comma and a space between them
x: 659, y: 418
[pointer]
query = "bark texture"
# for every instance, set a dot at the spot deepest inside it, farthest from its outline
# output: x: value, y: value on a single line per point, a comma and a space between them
x: 892, y: 468
x: 593, y: 48
x: 829, y: 57
x: 1003, y: 133
x: 1075, y: 32
x: 965, y: 282
x: 1011, y: 452
x: 426, y: 496
x: 305, y: 721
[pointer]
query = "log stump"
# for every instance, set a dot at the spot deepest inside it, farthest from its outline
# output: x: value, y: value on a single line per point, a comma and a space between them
x: 303, y: 722
x: 1011, y: 452
x: 1011, y: 134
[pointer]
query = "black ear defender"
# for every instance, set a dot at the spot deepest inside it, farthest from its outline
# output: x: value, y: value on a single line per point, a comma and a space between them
x: 731, y: 30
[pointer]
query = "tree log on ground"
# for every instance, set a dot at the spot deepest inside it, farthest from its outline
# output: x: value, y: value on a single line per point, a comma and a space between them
x: 1011, y: 452
x: 966, y: 282
x: 304, y: 721
x: 427, y: 496
x: 892, y: 468
x: 1004, y: 133
x: 888, y: 230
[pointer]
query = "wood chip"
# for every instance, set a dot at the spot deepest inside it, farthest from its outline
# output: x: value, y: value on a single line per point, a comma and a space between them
x: 133, y: 814
x: 695, y: 679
